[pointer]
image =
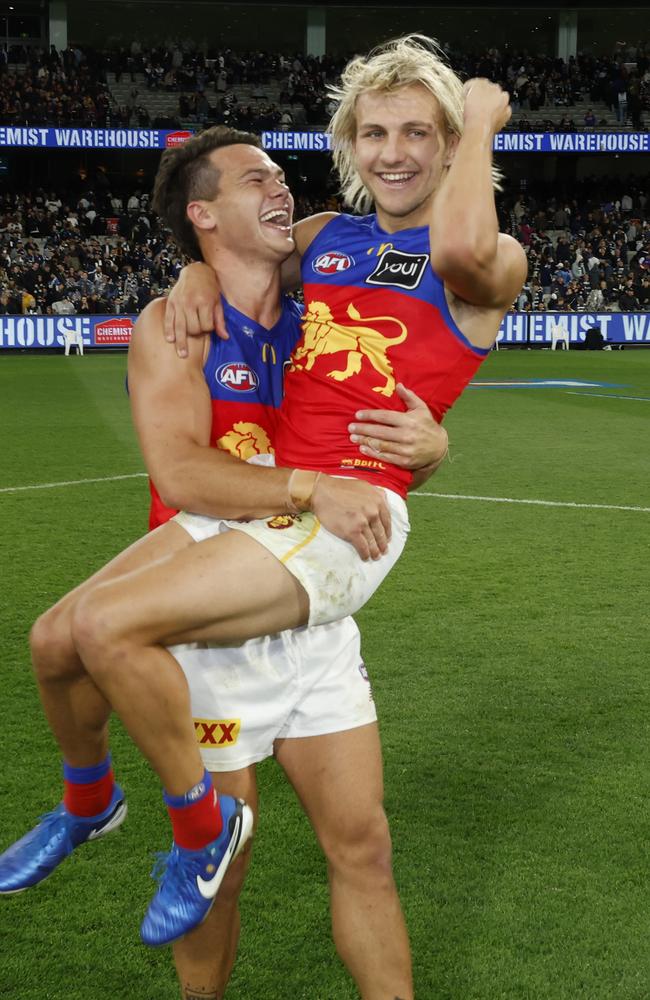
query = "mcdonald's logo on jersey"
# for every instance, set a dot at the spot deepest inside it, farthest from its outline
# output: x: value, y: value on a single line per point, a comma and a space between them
x: 217, y: 732
x: 268, y: 350
x: 238, y: 376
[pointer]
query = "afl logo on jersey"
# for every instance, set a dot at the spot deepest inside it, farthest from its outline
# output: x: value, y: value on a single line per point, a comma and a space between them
x: 332, y: 263
x: 396, y: 267
x: 238, y: 376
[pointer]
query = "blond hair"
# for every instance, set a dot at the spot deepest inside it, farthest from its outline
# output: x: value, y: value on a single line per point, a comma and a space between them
x: 398, y: 63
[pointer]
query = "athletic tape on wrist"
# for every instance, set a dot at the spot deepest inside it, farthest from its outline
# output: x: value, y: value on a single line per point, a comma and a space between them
x: 300, y: 489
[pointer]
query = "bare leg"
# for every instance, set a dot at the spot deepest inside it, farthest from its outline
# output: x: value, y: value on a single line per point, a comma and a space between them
x: 225, y: 589
x: 76, y: 710
x: 205, y: 958
x: 338, y: 779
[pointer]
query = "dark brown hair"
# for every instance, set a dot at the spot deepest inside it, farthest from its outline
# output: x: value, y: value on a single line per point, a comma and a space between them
x: 186, y: 174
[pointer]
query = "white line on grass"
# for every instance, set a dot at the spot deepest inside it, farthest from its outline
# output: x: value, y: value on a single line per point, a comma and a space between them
x: 419, y: 493
x: 608, y: 395
x: 535, y: 503
x: 71, y: 482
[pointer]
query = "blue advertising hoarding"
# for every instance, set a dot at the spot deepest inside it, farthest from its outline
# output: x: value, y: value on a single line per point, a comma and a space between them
x: 572, y: 142
x: 517, y: 329
x: 40, y: 332
x: 89, y: 138
x: 307, y: 141
x: 140, y: 138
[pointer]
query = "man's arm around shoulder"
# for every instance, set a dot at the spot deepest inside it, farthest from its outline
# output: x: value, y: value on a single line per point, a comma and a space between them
x: 194, y: 303
x: 304, y: 232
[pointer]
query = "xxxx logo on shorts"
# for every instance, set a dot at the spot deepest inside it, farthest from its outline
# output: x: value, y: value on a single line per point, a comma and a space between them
x: 281, y: 521
x: 217, y: 732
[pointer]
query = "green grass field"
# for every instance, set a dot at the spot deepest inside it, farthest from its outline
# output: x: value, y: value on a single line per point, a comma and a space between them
x: 509, y: 658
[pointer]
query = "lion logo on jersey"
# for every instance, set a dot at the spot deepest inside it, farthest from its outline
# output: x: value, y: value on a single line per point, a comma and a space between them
x: 322, y: 336
x: 246, y: 440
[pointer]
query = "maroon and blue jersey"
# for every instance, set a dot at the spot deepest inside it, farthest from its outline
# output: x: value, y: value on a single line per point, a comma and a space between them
x: 375, y: 314
x: 245, y: 377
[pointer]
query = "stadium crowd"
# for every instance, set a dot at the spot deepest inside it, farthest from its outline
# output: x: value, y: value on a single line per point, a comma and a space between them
x: 101, y: 253
x: 55, y: 89
x: 104, y: 253
x: 72, y: 86
x: 588, y: 252
x: 58, y: 259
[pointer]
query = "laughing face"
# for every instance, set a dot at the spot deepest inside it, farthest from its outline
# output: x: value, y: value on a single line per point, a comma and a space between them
x: 253, y: 209
x: 402, y: 148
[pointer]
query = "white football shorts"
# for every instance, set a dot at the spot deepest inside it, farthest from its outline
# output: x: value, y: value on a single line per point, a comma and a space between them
x: 305, y: 682
x: 338, y: 582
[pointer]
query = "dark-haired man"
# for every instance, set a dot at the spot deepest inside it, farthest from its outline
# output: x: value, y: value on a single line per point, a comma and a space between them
x: 180, y: 410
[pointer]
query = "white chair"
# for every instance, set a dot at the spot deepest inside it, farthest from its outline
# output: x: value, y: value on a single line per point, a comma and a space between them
x: 559, y: 335
x: 72, y: 338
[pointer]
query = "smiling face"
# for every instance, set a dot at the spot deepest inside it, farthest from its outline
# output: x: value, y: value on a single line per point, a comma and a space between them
x: 402, y: 147
x: 253, y: 207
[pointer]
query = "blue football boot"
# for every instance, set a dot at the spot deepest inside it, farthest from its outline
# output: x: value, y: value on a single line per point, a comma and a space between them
x: 189, y: 880
x: 35, y: 856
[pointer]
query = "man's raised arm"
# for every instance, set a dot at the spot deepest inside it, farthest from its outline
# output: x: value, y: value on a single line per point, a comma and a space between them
x: 479, y: 265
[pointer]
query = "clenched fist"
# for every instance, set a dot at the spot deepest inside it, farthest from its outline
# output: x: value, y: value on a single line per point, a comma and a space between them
x: 486, y: 102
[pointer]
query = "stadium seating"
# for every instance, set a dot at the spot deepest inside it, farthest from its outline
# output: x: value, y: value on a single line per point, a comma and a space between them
x: 37, y: 244
x: 544, y: 90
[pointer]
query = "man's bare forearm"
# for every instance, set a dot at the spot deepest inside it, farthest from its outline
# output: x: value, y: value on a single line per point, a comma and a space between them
x: 219, y: 485
x: 464, y: 220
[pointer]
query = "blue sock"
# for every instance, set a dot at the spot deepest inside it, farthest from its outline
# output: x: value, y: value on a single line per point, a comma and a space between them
x: 86, y: 775
x: 195, y: 794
